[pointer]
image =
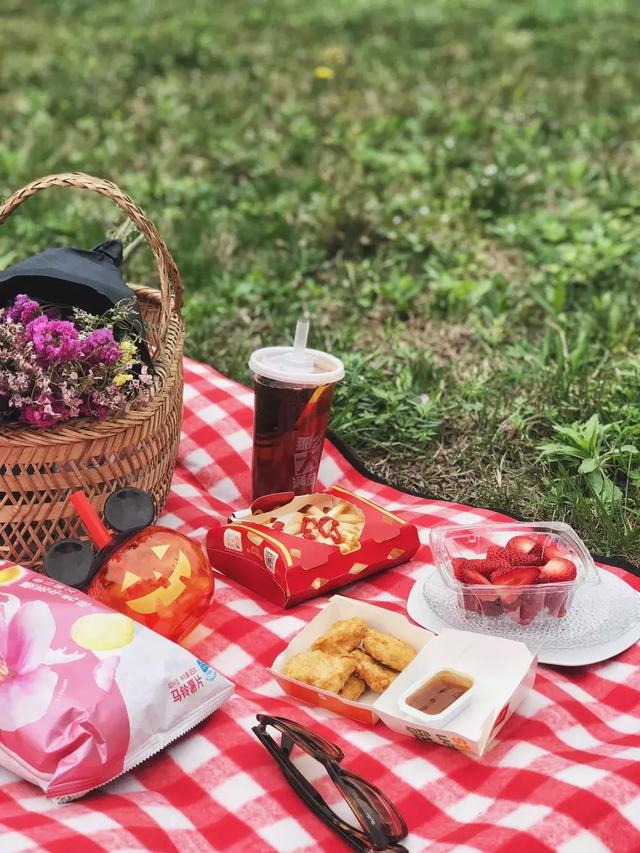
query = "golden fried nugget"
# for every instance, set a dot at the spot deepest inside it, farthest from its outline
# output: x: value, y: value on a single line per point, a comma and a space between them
x: 353, y: 688
x: 342, y: 637
x: 375, y: 675
x: 328, y: 672
x: 388, y: 650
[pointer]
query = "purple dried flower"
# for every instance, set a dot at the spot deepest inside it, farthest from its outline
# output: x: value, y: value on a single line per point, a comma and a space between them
x: 54, y: 340
x: 53, y: 370
x: 100, y: 347
x: 41, y: 412
x: 23, y: 310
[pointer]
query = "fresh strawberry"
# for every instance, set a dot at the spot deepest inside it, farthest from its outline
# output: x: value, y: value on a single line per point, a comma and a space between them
x: 487, y: 600
x: 490, y: 606
x: 531, y: 604
x: 552, y: 550
x: 510, y: 602
x: 495, y: 552
x: 555, y: 602
x: 494, y: 564
x: 469, y: 601
x: 482, y: 566
x: 470, y: 574
x: 458, y: 564
x: 516, y: 575
x: 477, y: 565
x: 523, y: 544
x: 518, y: 558
x: 557, y: 569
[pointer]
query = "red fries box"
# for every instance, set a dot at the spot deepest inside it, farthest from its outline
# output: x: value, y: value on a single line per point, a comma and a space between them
x: 289, y: 548
x: 503, y: 671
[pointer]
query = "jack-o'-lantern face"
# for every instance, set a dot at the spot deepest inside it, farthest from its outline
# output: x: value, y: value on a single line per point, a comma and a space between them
x: 159, y: 577
x: 170, y: 587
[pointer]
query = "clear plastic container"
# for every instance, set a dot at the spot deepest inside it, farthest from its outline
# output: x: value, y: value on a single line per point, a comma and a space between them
x: 521, y: 604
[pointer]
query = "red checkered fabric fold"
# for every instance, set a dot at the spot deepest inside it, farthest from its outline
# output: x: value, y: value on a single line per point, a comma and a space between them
x: 563, y: 774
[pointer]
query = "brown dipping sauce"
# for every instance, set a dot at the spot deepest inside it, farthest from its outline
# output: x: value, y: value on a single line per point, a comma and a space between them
x: 439, y: 692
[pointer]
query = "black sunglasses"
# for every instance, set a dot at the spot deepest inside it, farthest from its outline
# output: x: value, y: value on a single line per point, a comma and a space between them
x: 382, y: 826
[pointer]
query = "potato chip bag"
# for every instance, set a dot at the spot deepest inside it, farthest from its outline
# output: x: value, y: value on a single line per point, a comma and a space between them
x: 87, y: 693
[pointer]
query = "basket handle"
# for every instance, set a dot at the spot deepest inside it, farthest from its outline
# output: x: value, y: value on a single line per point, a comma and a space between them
x: 171, y: 286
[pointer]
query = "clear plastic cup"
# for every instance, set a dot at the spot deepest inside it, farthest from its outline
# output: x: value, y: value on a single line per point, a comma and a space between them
x: 293, y: 392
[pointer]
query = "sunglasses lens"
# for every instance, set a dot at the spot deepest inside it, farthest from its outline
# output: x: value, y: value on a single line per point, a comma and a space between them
x: 366, y: 798
x: 308, y: 740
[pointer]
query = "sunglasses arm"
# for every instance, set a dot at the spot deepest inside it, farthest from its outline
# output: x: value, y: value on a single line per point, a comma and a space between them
x: 286, y: 765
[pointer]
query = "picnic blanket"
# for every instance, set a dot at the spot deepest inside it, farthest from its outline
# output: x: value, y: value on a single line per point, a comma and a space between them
x: 563, y: 774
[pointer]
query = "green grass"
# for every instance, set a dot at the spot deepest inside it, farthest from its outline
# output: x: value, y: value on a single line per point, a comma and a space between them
x: 457, y: 209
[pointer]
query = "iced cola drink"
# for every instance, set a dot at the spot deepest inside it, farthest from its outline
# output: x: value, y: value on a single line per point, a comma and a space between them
x: 293, y: 392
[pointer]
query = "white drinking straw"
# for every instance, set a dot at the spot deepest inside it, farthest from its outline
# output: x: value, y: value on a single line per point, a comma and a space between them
x: 300, y: 340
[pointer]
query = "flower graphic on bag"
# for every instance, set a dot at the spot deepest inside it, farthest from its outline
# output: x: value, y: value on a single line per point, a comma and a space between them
x: 27, y: 682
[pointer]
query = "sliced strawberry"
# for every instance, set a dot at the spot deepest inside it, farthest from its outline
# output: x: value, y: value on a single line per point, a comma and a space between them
x: 495, y: 552
x: 494, y: 564
x: 511, y: 605
x: 471, y: 575
x: 523, y: 544
x: 553, y: 550
x: 458, y: 564
x: 518, y: 558
x: 531, y: 603
x: 557, y: 569
x: 490, y: 606
x: 555, y: 602
x: 487, y: 600
x: 516, y: 575
x: 481, y: 566
x: 514, y: 558
x: 470, y: 601
x: 477, y: 565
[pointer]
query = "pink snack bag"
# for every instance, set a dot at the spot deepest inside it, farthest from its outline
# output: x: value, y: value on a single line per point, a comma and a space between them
x: 85, y: 692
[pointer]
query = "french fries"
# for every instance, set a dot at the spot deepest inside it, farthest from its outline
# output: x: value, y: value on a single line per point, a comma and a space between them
x: 334, y: 522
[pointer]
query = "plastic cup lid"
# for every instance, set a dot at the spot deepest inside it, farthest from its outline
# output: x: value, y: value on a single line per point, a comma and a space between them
x: 281, y: 364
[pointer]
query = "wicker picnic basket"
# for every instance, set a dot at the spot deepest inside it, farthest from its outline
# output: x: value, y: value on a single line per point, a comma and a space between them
x: 41, y: 468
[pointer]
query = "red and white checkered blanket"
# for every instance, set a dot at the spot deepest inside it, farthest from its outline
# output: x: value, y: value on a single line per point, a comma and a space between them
x: 563, y: 775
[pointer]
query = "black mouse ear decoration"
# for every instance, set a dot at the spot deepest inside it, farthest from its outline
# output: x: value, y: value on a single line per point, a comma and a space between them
x: 129, y: 509
x: 71, y: 562
x: 74, y: 562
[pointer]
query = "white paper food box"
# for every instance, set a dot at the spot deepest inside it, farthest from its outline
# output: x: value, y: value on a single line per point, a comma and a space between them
x: 503, y: 672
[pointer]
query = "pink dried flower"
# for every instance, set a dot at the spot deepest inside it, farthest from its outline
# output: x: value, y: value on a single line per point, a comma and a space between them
x: 100, y: 346
x: 40, y: 413
x: 54, y: 340
x: 52, y: 370
x: 101, y: 404
x: 23, y: 310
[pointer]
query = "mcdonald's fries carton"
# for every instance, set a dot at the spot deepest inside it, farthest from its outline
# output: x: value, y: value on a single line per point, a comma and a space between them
x: 290, y: 548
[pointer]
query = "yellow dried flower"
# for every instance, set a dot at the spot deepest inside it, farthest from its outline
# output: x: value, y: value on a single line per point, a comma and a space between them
x: 323, y: 72
x: 121, y: 378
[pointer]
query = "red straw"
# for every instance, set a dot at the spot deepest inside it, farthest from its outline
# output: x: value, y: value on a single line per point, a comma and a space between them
x: 91, y: 520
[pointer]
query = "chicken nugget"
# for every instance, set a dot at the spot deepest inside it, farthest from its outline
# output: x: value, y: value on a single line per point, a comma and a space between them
x: 342, y: 637
x: 375, y: 675
x: 353, y: 688
x: 388, y: 650
x: 328, y: 672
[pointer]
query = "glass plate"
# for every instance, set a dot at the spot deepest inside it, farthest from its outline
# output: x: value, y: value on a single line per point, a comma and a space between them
x: 600, y: 614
